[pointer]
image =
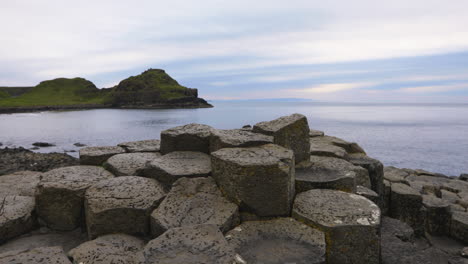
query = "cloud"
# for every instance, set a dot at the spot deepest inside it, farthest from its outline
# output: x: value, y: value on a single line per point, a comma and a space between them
x: 434, y: 88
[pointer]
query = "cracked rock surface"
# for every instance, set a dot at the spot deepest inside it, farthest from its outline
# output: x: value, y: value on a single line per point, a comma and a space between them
x: 128, y: 164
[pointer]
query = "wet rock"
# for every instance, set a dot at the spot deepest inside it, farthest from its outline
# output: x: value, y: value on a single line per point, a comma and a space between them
x: 459, y: 226
x: 152, y: 145
x: 393, y: 174
x: 128, y: 164
x: 60, y: 195
x: 329, y: 163
x: 78, y: 144
x: 43, y: 144
x: 20, y: 159
x: 22, y: 183
x: 437, y: 215
x: 237, y: 138
x: 320, y: 178
x: 201, y: 244
x: 283, y: 240
x: 406, y: 205
x: 375, y: 169
x: 316, y: 133
x: 192, y: 202
x: 45, y: 238
x: 98, y: 155
x: 108, y: 249
x: 368, y: 193
x: 323, y: 148
x: 191, y: 137
x: 350, y: 222
x: 43, y: 255
x: 121, y: 205
x: 16, y: 216
x: 178, y: 164
x: 249, y: 176
x: 291, y: 132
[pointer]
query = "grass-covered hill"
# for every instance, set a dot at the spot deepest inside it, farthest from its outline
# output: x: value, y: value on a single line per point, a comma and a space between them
x: 153, y: 88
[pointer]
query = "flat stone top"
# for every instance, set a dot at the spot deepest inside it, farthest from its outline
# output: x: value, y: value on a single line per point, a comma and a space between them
x: 333, y: 163
x: 151, y: 145
x: 14, y: 207
x: 237, y: 137
x: 200, y: 244
x: 21, y: 183
x: 316, y: 133
x: 42, y: 255
x: 194, y: 129
x: 129, y: 163
x: 361, y: 190
x: 124, y: 192
x: 404, y: 189
x: 270, y: 127
x: 184, y: 163
x: 433, y: 201
x: 315, y: 174
x: 329, y: 208
x: 74, y: 177
x: 100, y: 151
x: 268, y: 154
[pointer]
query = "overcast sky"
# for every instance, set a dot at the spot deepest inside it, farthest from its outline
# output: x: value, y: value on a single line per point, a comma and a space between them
x: 357, y: 51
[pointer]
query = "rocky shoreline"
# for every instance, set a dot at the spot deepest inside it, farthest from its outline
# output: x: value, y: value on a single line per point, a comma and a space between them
x: 277, y: 192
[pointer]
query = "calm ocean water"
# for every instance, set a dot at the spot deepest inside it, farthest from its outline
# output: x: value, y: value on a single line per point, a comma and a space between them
x: 432, y: 137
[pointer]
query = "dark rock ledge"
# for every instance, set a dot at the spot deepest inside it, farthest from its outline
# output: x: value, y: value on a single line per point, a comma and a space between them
x: 203, y: 195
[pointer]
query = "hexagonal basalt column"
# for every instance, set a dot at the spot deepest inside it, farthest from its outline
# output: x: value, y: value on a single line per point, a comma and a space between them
x: 127, y: 164
x: 60, y: 195
x: 192, y: 202
x: 16, y: 216
x: 258, y: 179
x: 40, y: 255
x: 233, y: 138
x: 191, y: 137
x: 291, y: 132
x: 319, y: 178
x: 351, y: 224
x: 122, y: 205
x: 283, y: 240
x: 98, y: 155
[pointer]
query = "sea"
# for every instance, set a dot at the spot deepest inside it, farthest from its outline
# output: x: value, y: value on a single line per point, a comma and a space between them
x: 433, y: 137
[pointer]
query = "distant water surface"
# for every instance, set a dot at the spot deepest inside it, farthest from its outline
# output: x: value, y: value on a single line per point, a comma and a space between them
x: 430, y: 136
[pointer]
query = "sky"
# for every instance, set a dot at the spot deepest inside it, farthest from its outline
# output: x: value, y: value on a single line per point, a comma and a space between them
x: 338, y: 51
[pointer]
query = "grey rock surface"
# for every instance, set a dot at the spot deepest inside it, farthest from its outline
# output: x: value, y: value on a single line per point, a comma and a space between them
x: 202, y: 244
x: 437, y: 215
x: 368, y: 193
x: 233, y: 138
x: 349, y: 147
x: 21, y: 183
x: 459, y: 226
x: 375, y: 169
x: 278, y: 241
x: 191, y: 137
x: 320, y: 178
x: 16, y: 216
x: 463, y: 177
x: 319, y: 147
x: 60, y: 195
x: 178, y: 164
x: 128, y: 164
x: 397, y: 175
x: 151, y: 145
x: 108, y: 249
x: 98, y: 155
x: 249, y: 177
x: 194, y: 201
x: 406, y: 205
x: 122, y: 205
x: 43, y: 255
x: 351, y: 224
x: 291, y: 132
x: 316, y: 133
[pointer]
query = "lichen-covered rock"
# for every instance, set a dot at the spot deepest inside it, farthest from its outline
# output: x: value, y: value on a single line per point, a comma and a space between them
x: 350, y: 222
x: 128, y: 164
x: 16, y: 216
x: 233, y: 138
x: 459, y: 226
x: 22, y: 183
x: 98, y: 155
x: 191, y: 137
x: 108, y: 249
x: 368, y: 193
x: 192, y: 202
x: 283, y: 240
x: 319, y: 178
x: 406, y: 205
x: 43, y: 255
x: 122, y: 205
x: 375, y: 169
x: 60, y: 195
x: 151, y: 145
x: 291, y: 132
x: 330, y: 163
x: 437, y: 215
x: 201, y: 244
x: 259, y: 179
x: 178, y: 164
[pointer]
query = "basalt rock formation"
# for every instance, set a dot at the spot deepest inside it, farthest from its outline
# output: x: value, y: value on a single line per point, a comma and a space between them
x: 203, y: 195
